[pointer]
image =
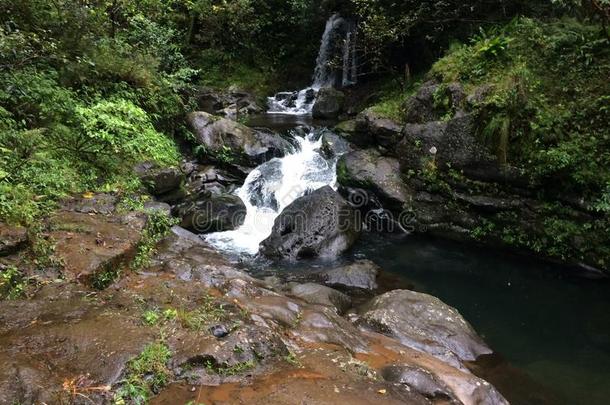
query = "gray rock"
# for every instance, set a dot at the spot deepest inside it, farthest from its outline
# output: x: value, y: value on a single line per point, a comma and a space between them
x: 231, y: 143
x: 424, y: 323
x: 360, y: 274
x: 384, y: 131
x: 158, y: 206
x: 212, y: 213
x: 453, y: 389
x: 219, y: 331
x: 319, y: 294
x: 99, y: 203
x: 454, y: 141
x: 159, y: 180
x: 367, y: 169
x: 329, y: 103
x: 229, y: 103
x: 320, y: 223
x: 490, y: 204
x: 334, y: 145
x: 419, y: 379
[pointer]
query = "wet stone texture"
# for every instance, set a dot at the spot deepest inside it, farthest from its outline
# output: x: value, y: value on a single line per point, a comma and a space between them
x: 232, y: 339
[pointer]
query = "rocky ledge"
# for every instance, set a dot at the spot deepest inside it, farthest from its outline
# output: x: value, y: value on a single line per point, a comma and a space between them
x: 438, y: 167
x: 192, y: 326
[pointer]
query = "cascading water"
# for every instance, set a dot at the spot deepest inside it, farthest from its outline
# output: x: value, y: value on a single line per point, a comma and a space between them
x: 338, y: 43
x: 271, y: 187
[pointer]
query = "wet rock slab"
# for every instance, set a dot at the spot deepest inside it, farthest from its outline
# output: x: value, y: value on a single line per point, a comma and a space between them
x: 425, y: 323
x: 89, y: 244
x: 232, y: 338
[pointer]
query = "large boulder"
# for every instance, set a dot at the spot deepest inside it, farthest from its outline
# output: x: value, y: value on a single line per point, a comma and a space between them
x: 443, y: 384
x: 329, y: 103
x: 384, y: 131
x: 424, y: 323
x: 210, y: 179
x: 210, y: 212
x: 451, y: 143
x: 320, y: 223
x: 159, y: 180
x: 433, y: 102
x: 349, y: 131
x: 92, y: 247
x: 368, y: 170
x: 230, y: 104
x: 232, y: 143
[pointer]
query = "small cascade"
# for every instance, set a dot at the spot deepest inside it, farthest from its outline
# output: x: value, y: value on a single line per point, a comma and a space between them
x: 336, y: 66
x: 272, y: 186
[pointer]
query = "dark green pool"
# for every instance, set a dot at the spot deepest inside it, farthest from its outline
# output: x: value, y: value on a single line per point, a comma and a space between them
x: 546, y: 322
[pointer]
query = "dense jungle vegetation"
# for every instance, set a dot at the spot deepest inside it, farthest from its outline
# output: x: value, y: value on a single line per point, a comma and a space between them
x: 90, y: 87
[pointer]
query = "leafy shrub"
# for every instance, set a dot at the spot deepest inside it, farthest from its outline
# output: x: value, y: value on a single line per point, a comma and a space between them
x: 117, y: 134
x: 146, y: 375
x: 157, y: 227
x: 12, y: 283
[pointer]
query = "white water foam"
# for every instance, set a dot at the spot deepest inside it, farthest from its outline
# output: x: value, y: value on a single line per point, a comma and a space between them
x: 338, y: 31
x: 271, y: 187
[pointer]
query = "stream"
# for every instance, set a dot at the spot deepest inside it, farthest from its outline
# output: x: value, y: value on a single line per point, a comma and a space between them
x: 548, y: 326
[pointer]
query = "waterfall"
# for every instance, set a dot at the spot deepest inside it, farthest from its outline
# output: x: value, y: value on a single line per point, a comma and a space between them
x: 338, y: 45
x: 350, y: 61
x: 272, y: 186
x: 325, y: 75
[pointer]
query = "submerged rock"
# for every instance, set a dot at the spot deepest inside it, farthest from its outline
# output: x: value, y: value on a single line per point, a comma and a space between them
x: 425, y: 323
x: 329, y: 103
x: 360, y: 274
x: 319, y: 224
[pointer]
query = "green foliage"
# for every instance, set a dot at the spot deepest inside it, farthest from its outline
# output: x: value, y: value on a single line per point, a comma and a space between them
x: 207, y: 312
x: 394, y: 93
x: 546, y: 110
x: 12, y: 283
x: 145, y: 376
x: 386, y: 23
x: 151, y: 317
x: 226, y: 370
x: 292, y: 359
x: 157, y: 227
x: 105, y: 277
x: 116, y: 134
